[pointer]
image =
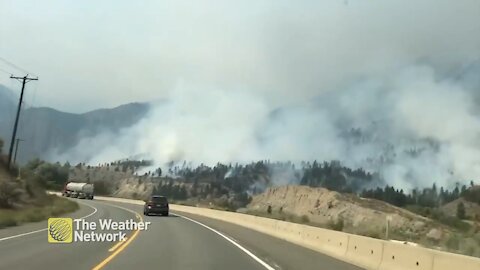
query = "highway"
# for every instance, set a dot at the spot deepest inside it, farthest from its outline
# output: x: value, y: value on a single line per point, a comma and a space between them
x: 179, y: 241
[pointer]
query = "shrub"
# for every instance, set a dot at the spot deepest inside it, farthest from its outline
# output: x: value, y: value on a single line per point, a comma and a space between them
x: 51, y: 206
x: 461, y: 210
x: 456, y: 223
x: 10, y: 192
x: 372, y: 233
x: 336, y: 225
x: 102, y: 188
x: 453, y: 243
x: 7, y: 219
x: 304, y: 219
x: 451, y: 221
x: 34, y: 215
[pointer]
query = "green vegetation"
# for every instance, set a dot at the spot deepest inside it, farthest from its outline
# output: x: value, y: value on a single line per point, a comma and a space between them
x: 427, y: 197
x: 125, y: 165
x: 174, y: 192
x: 253, y: 178
x: 304, y: 219
x: 438, y: 215
x: 281, y: 215
x: 336, y: 225
x: 102, y: 188
x: 458, y: 243
x: 233, y: 185
x: 461, y: 211
x: 241, y: 178
x: 24, y: 199
x: 453, y: 243
x: 472, y: 194
x: 51, y: 206
x: 46, y: 175
x: 212, y: 192
x: 371, y: 233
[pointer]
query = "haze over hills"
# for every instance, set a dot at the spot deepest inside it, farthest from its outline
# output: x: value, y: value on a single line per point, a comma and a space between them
x: 383, y: 125
x: 285, y: 84
x: 47, y: 131
x: 393, y: 132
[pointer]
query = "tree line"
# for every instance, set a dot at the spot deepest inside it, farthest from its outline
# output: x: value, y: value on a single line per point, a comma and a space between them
x: 426, y: 197
x: 244, y: 180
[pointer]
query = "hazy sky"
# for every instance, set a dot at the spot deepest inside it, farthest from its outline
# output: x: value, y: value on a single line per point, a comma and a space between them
x: 404, y: 73
x: 91, y: 54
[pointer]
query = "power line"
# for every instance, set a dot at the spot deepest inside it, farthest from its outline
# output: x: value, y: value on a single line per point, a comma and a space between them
x: 29, y: 102
x: 9, y: 73
x: 15, y: 66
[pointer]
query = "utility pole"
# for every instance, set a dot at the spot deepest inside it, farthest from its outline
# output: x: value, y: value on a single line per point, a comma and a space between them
x: 15, y: 156
x: 24, y: 80
x: 16, y: 150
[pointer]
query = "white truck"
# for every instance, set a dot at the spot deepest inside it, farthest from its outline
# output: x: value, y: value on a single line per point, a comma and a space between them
x: 78, y: 190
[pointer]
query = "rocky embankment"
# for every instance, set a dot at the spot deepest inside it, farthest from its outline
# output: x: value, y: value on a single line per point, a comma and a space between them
x: 358, y: 215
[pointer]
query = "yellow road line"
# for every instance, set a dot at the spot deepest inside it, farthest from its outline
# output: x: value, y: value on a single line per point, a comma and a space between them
x: 109, y: 258
x: 117, y: 245
x: 121, y: 247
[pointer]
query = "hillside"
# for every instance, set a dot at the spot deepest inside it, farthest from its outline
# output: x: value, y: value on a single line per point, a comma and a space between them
x: 472, y: 209
x: 107, y: 178
x: 47, y: 131
x: 24, y: 199
x: 353, y: 214
x: 321, y: 206
x: 128, y: 179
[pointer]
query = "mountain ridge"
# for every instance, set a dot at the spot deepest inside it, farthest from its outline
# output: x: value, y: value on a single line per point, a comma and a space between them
x: 44, y: 128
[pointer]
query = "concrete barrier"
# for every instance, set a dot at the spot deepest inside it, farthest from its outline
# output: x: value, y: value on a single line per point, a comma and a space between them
x: 365, y: 252
x: 448, y: 261
x: 325, y: 241
x: 398, y: 257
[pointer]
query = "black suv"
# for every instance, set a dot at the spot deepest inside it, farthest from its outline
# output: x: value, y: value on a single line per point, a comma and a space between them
x: 156, y: 205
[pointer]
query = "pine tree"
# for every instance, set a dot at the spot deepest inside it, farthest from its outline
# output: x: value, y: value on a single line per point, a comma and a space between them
x: 461, y: 210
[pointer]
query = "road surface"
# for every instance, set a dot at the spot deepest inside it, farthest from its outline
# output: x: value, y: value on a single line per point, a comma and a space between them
x: 179, y: 241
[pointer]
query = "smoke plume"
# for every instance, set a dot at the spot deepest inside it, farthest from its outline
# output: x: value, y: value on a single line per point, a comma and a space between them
x: 390, y: 87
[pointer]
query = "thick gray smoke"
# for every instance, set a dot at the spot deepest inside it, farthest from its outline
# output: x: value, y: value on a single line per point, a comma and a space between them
x: 389, y: 87
x: 412, y: 127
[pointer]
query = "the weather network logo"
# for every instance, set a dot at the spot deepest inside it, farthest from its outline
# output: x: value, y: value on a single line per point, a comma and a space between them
x: 60, y: 230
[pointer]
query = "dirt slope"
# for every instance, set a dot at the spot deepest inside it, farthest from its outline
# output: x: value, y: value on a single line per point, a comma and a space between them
x: 323, y: 207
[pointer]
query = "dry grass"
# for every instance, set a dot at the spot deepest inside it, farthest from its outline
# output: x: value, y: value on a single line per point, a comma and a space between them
x: 51, y: 206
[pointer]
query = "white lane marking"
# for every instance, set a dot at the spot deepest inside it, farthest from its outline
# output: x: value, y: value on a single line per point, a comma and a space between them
x: 260, y: 261
x: 41, y: 230
x: 91, y: 214
x: 22, y: 234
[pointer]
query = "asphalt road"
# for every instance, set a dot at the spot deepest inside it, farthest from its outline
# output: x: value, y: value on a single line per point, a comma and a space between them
x: 182, y: 241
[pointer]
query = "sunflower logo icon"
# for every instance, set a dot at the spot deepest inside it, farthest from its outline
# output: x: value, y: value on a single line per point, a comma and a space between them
x: 60, y: 230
